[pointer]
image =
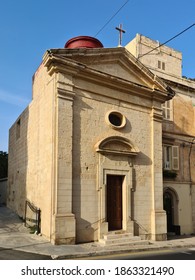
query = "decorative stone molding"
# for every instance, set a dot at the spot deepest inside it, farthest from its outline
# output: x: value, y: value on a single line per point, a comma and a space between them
x: 157, y: 114
x: 64, y: 94
x: 116, y: 145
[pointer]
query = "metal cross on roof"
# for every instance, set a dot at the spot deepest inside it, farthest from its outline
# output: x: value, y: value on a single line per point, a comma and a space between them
x: 121, y: 31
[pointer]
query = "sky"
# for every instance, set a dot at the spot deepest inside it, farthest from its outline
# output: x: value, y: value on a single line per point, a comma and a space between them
x: 30, y: 27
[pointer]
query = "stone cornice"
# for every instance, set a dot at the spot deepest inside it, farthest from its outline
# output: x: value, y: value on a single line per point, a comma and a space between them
x: 157, y: 114
x: 184, y: 137
x: 57, y: 63
x: 105, y: 55
x: 183, y: 85
x: 64, y: 94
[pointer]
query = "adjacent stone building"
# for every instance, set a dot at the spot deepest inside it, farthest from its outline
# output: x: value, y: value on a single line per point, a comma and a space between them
x: 178, y: 132
x: 87, y: 150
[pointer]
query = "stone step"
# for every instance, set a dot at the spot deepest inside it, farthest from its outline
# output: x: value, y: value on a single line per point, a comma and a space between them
x: 121, y: 239
x: 126, y: 243
x: 118, y: 236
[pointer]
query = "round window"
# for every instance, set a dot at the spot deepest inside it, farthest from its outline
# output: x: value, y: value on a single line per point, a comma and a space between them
x: 115, y: 119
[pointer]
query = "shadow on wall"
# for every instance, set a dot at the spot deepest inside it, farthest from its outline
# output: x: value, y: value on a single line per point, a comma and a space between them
x: 86, y: 231
x: 143, y: 159
x: 3, y: 191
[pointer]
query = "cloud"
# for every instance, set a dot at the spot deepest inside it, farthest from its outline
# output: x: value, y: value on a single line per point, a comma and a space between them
x: 12, y: 99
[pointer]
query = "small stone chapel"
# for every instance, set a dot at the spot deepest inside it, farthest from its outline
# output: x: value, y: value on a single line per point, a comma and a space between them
x: 87, y: 151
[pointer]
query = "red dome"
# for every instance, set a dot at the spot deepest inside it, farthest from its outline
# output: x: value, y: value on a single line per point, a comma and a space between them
x: 83, y: 42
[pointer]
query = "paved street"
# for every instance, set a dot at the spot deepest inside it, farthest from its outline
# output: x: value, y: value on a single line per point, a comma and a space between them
x: 9, y: 254
x: 16, y: 240
x: 164, y: 254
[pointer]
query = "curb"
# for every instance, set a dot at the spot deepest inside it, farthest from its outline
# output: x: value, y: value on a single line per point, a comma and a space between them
x: 120, y: 251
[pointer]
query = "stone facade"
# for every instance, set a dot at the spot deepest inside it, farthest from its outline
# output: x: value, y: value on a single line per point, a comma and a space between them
x: 162, y: 60
x: 95, y: 116
x: 178, y: 131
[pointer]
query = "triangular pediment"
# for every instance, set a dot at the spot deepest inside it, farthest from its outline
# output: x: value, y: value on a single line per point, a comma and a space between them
x: 116, y: 65
x: 121, y: 70
x: 118, y: 62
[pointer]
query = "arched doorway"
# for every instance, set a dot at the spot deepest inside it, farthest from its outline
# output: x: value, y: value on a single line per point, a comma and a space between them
x: 168, y: 207
x: 170, y: 202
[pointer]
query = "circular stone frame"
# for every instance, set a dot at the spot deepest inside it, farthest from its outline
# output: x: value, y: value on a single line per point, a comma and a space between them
x: 115, y: 119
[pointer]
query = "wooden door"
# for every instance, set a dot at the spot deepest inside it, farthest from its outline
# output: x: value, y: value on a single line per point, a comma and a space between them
x: 114, y: 202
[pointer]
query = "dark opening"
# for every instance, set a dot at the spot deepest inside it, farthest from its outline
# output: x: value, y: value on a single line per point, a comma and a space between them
x: 115, y: 119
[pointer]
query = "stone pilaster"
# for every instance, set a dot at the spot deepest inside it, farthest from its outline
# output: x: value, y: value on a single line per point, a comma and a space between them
x: 63, y: 218
x: 158, y: 215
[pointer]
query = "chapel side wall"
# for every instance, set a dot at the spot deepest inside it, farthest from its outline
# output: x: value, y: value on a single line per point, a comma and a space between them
x: 17, y: 164
x: 89, y: 128
x: 31, y: 154
x: 40, y: 175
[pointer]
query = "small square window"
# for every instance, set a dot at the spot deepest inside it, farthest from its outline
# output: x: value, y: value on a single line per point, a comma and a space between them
x: 161, y: 65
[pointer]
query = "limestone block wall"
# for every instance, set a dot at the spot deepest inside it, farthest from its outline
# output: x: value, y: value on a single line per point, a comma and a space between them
x: 41, y: 149
x: 90, y: 107
x: 182, y: 130
x: 31, y: 152
x: 17, y: 163
x: 183, y: 114
x: 171, y: 58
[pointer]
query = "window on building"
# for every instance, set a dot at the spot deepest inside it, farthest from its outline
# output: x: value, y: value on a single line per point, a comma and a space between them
x: 161, y: 65
x: 170, y: 157
x: 168, y: 110
x: 115, y: 119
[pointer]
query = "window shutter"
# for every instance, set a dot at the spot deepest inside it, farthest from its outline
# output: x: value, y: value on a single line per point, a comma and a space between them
x: 175, y: 157
x: 168, y: 110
